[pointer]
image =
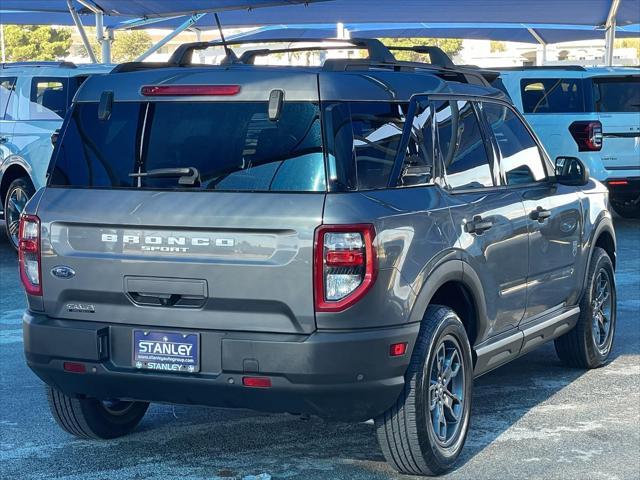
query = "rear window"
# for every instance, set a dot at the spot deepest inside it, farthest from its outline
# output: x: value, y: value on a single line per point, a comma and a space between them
x: 233, y: 146
x: 617, y: 94
x: 552, y: 95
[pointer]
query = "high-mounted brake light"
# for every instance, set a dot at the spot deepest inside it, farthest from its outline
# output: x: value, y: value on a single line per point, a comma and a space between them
x: 29, y: 254
x: 189, y: 90
x: 587, y: 134
x: 344, y: 265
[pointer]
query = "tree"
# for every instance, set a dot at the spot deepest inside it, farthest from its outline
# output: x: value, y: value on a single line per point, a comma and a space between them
x: 36, y: 42
x: 127, y: 45
x: 451, y: 46
x: 497, y: 46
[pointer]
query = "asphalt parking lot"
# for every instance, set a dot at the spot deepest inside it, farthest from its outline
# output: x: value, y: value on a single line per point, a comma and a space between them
x: 532, y: 419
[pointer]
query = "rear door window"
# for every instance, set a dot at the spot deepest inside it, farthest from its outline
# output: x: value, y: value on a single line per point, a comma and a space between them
x: 552, y: 95
x: 520, y: 156
x: 617, y: 94
x: 461, y: 146
x: 49, y: 98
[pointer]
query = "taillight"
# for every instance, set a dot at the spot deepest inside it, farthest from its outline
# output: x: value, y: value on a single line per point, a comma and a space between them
x: 588, y: 135
x: 344, y: 266
x: 29, y: 254
x: 189, y: 90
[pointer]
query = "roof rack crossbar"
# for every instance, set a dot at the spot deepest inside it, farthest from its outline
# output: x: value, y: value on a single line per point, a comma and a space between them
x: 377, y: 50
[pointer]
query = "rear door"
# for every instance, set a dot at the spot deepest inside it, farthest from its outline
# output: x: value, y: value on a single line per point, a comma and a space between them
x: 7, y: 107
x: 231, y: 252
x: 490, y: 221
x: 617, y: 103
x: 553, y: 213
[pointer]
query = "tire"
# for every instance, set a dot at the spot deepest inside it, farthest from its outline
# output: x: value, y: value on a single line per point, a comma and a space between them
x: 89, y: 418
x: 580, y: 347
x: 19, y: 193
x: 626, y: 209
x: 406, y: 434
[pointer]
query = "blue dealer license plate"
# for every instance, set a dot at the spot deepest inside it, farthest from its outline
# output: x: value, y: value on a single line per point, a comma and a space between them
x: 166, y: 351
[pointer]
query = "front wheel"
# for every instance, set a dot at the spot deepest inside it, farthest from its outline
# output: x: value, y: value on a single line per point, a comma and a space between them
x: 424, y: 431
x: 18, y: 194
x: 94, y: 419
x: 589, y: 343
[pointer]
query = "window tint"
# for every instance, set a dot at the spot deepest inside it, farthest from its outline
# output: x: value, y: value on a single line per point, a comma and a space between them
x: 48, y: 98
x: 617, y: 94
x: 417, y: 168
x: 7, y: 88
x: 552, y: 95
x: 234, y: 146
x: 461, y: 146
x: 98, y: 153
x: 520, y: 156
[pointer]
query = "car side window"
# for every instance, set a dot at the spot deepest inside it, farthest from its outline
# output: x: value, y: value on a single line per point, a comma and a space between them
x: 7, y: 89
x: 48, y: 98
x: 461, y: 146
x: 521, y: 159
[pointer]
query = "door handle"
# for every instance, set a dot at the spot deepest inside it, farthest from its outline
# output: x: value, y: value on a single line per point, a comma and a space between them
x: 540, y: 214
x: 478, y: 225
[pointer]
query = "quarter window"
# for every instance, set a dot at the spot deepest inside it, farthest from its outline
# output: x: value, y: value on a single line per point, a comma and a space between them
x: 520, y: 156
x: 462, y: 146
x: 552, y: 95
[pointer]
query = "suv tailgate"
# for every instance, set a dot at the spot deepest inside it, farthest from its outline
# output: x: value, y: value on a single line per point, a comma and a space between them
x: 206, y: 260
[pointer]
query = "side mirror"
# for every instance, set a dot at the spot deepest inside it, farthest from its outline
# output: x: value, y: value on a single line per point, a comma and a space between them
x: 54, y: 137
x: 571, y: 171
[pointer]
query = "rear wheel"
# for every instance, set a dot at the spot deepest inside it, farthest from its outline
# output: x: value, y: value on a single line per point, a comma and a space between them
x: 18, y: 194
x: 589, y: 343
x: 424, y: 431
x: 95, y: 419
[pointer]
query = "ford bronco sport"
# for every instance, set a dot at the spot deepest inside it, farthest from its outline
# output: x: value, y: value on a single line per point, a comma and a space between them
x: 357, y: 240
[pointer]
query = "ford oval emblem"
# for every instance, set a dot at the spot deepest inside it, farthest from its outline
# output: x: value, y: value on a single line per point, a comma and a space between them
x: 62, y: 271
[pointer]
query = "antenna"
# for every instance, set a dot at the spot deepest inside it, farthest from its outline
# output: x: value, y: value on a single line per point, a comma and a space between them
x: 227, y: 50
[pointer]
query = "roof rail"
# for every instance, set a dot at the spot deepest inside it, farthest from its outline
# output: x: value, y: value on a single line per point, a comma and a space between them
x: 39, y: 64
x: 377, y: 50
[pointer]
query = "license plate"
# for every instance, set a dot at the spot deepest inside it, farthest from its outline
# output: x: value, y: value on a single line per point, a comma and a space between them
x: 166, y: 351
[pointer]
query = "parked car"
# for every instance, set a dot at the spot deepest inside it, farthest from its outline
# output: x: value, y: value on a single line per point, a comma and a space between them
x: 34, y: 97
x: 357, y: 240
x: 589, y: 113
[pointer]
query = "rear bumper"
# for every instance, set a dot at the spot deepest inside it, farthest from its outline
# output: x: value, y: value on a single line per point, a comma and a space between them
x: 623, y: 188
x: 346, y: 375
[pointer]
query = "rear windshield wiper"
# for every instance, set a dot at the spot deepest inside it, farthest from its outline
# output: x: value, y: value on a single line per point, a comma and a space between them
x: 187, y: 176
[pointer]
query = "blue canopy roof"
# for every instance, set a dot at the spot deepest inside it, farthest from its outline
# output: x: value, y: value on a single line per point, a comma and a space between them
x: 246, y: 12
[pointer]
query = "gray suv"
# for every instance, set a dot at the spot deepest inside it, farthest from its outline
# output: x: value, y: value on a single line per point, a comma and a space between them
x: 356, y: 240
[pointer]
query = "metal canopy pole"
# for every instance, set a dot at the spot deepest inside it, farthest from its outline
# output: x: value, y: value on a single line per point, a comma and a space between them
x: 83, y: 34
x: 610, y: 32
x: 105, y: 41
x: 190, y: 22
x: 537, y: 36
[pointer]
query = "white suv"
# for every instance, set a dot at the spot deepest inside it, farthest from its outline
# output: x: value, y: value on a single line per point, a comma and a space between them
x: 34, y: 97
x: 590, y: 113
